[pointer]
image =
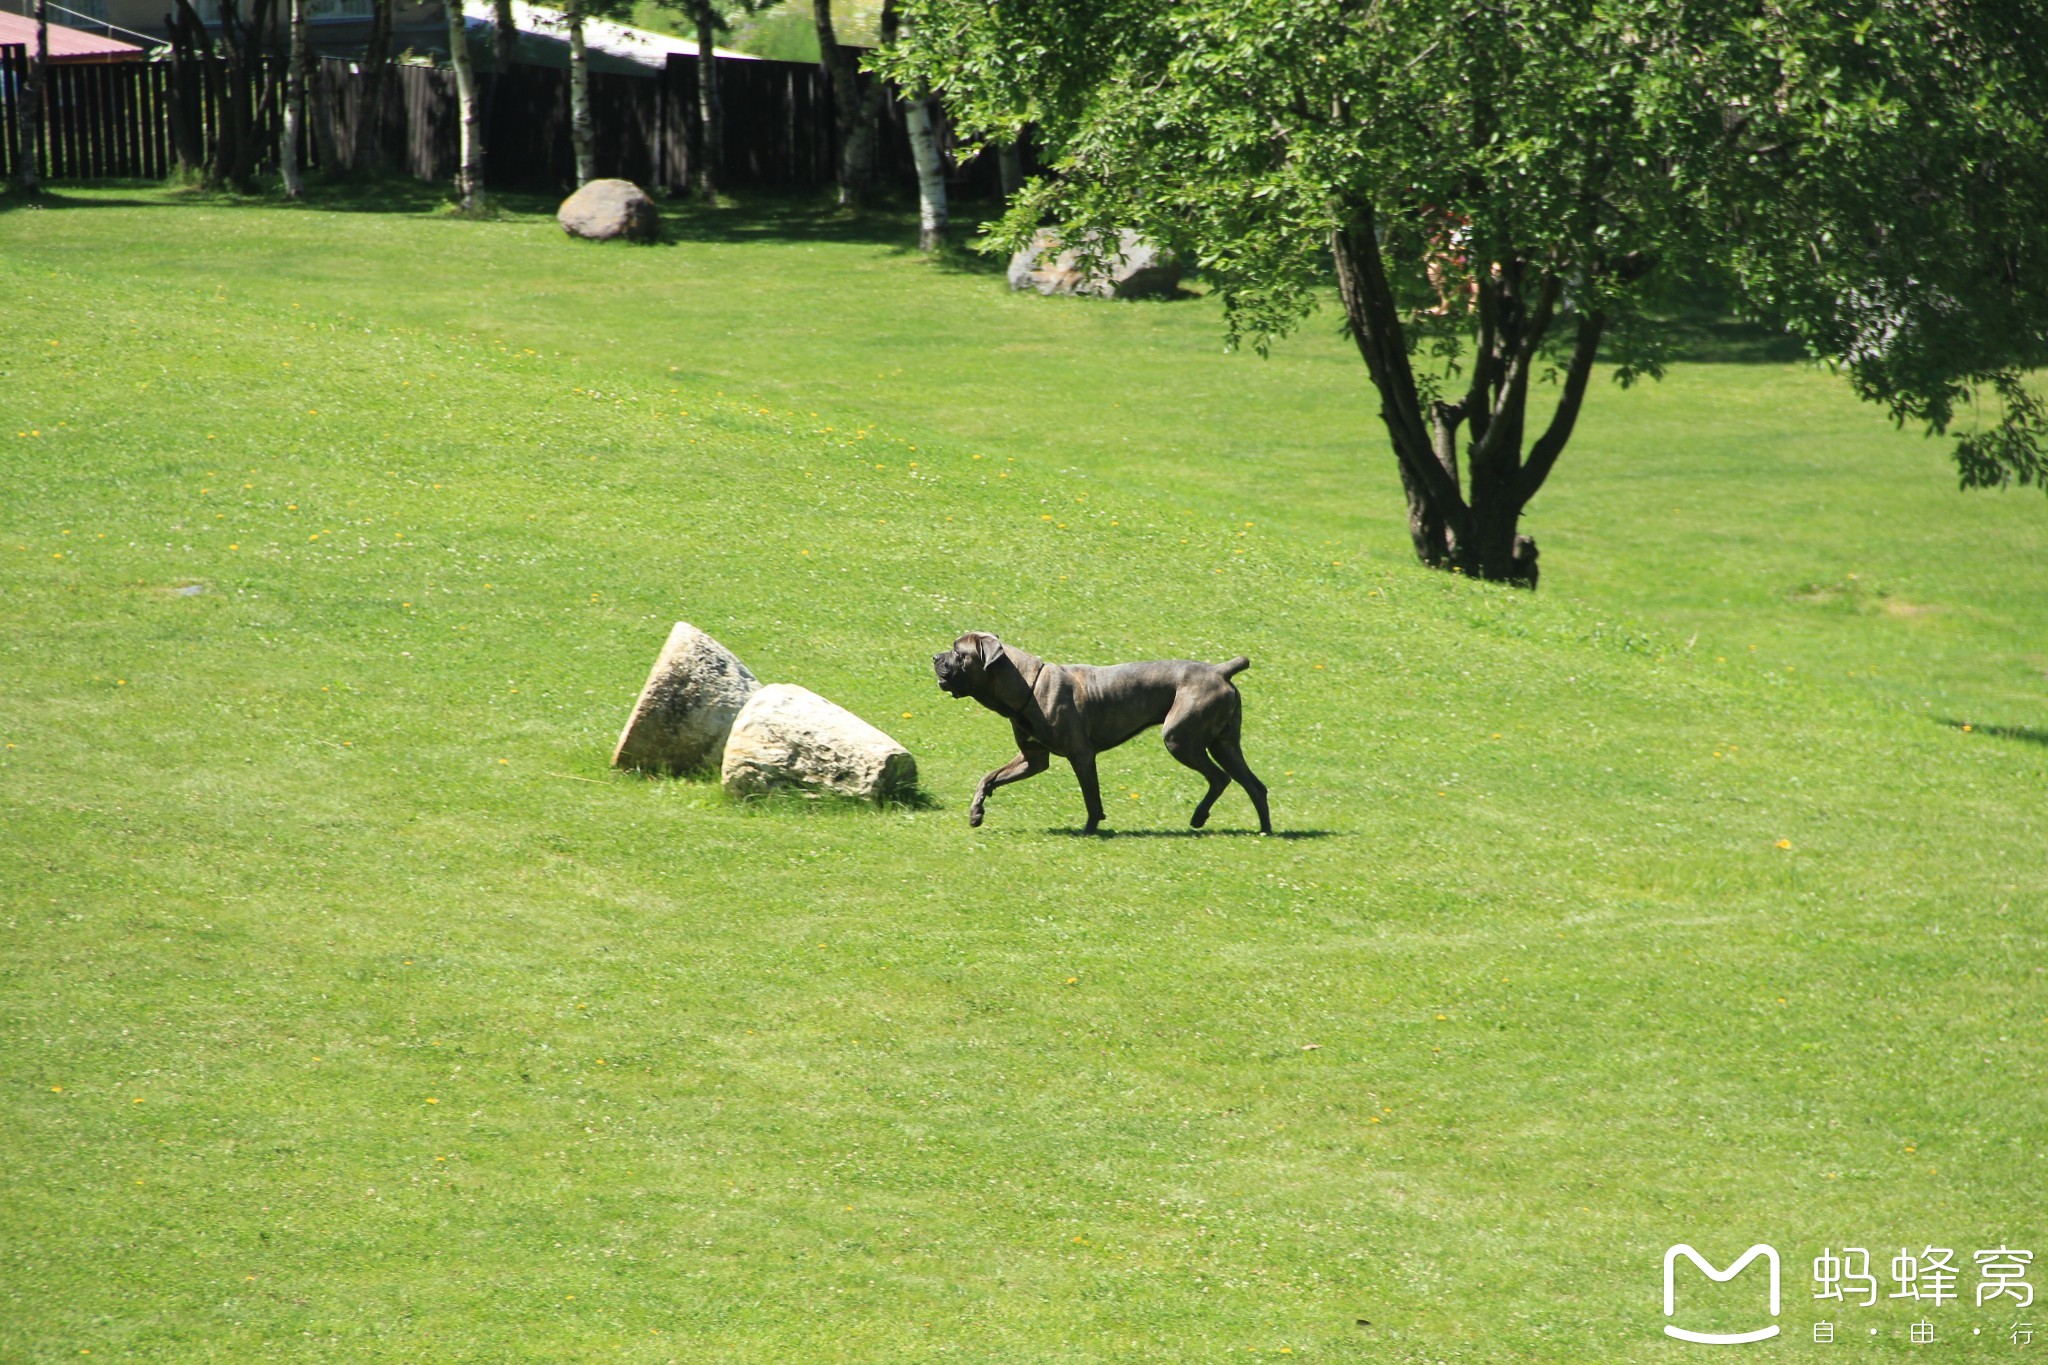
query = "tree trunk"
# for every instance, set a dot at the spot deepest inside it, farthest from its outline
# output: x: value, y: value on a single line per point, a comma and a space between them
x: 853, y: 118
x: 582, y: 136
x: 29, y: 165
x: 710, y: 116
x: 1470, y: 528
x: 191, y: 57
x: 931, y: 173
x: 320, y: 116
x: 184, y: 137
x: 376, y: 72
x: 504, y: 37
x: 294, y: 107
x: 1009, y: 169
x: 469, y: 173
x: 232, y: 111
x: 252, y: 86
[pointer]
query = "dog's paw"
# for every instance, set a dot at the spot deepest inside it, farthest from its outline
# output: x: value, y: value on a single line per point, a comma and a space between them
x: 974, y: 818
x: 1198, y: 819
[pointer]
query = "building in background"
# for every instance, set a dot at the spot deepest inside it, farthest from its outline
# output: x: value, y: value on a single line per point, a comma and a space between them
x: 335, y: 27
x: 72, y: 46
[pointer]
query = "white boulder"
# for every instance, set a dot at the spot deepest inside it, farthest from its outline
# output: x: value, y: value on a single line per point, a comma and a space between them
x: 1134, y: 268
x: 789, y: 737
x: 685, y: 712
x: 604, y: 209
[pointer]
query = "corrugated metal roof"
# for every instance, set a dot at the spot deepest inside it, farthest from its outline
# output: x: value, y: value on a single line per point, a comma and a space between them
x: 67, y: 44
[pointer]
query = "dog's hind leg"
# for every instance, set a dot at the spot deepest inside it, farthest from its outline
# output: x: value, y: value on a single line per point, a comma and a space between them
x: 1029, y: 763
x: 1227, y: 753
x: 1187, y: 748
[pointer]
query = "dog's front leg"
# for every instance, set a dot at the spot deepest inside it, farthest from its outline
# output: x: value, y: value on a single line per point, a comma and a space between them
x: 1091, y: 791
x: 1029, y: 763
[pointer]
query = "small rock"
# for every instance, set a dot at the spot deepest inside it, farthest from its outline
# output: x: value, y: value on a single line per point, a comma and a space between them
x: 685, y: 712
x: 788, y: 736
x: 604, y: 209
x: 1137, y: 269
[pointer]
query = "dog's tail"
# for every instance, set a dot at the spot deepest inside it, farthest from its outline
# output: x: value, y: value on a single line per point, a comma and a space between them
x: 1235, y: 666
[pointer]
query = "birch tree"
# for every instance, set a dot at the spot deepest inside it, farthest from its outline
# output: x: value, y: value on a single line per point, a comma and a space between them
x: 856, y: 112
x: 707, y: 19
x: 469, y: 170
x: 369, y: 149
x: 920, y: 119
x: 582, y: 130
x: 29, y: 125
x: 931, y: 170
x: 294, y: 106
x: 709, y: 170
x: 504, y: 36
x: 1502, y: 187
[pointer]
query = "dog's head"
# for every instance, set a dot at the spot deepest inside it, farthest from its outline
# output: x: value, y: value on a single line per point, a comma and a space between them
x: 962, y: 667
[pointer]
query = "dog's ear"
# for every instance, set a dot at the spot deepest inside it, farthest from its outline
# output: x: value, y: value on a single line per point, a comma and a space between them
x: 983, y: 647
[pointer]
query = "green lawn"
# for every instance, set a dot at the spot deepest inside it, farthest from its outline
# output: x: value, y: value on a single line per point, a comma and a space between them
x: 352, y: 1009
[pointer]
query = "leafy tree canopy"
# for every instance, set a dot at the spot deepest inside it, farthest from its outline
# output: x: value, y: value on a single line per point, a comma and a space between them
x: 1527, y: 175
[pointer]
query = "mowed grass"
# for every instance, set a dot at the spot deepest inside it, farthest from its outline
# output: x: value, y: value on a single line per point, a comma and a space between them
x: 353, y: 1009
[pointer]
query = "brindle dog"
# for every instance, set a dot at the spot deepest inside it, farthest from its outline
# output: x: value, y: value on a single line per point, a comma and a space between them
x: 1078, y: 711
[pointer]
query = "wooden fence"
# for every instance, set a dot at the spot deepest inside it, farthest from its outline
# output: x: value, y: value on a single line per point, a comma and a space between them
x: 100, y: 121
x: 115, y: 121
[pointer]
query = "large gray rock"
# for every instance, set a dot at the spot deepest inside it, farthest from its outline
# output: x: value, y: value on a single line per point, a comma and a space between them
x: 1137, y: 268
x: 680, y: 723
x: 789, y: 737
x: 604, y: 209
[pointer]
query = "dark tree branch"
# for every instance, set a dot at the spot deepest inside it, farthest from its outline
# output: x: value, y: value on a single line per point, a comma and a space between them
x: 1504, y: 426
x: 1475, y: 405
x: 1376, y: 327
x: 1551, y: 443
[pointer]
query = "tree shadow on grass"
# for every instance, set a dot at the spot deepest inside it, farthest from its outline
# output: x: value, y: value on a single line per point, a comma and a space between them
x: 1283, y: 835
x: 767, y: 216
x: 14, y: 200
x: 2025, y: 734
x: 1720, y: 340
x: 367, y: 194
x: 753, y: 216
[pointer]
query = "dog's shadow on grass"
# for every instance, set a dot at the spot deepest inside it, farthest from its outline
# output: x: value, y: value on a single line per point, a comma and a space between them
x: 2026, y: 734
x: 1282, y: 834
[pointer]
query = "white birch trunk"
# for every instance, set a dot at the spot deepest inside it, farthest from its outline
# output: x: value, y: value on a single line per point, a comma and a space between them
x: 931, y: 174
x: 294, y: 106
x: 29, y: 125
x: 710, y: 128
x: 469, y: 174
x: 581, y: 134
